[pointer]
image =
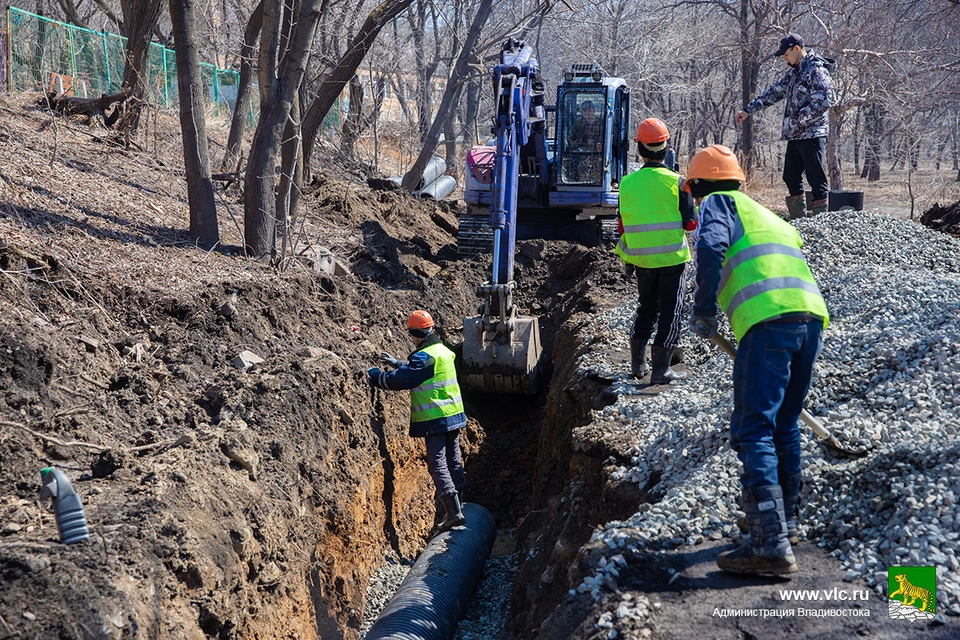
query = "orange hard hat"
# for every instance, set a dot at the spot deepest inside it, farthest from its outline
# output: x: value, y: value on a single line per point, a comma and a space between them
x: 653, y: 134
x: 419, y: 320
x: 716, y: 162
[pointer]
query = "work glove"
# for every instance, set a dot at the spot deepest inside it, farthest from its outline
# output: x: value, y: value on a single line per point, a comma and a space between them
x: 374, y: 375
x: 703, y: 326
x: 628, y: 269
x: 389, y: 360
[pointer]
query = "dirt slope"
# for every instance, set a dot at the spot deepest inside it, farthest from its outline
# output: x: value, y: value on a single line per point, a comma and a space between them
x: 291, y: 478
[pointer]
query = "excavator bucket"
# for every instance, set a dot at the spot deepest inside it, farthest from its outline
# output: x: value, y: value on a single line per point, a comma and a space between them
x: 495, y: 362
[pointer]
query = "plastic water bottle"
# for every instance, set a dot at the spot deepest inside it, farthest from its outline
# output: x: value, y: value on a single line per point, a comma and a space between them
x: 71, y: 521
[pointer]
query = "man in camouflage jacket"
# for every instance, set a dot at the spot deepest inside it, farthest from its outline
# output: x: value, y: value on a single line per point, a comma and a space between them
x: 808, y: 91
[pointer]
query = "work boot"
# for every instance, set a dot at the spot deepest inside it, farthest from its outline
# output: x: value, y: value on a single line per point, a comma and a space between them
x: 795, y: 207
x: 766, y: 550
x: 454, y: 517
x: 638, y: 358
x: 791, y: 486
x: 816, y: 207
x: 662, y: 373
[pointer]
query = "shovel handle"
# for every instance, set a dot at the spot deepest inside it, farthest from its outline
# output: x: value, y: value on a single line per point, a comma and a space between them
x: 809, y: 420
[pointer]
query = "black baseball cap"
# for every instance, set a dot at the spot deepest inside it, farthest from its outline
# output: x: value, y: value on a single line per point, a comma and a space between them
x: 787, y: 41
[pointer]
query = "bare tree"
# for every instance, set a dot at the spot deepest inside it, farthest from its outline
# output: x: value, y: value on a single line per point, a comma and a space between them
x: 196, y: 158
x: 241, y: 107
x: 450, y: 95
x: 281, y: 74
x: 139, y: 19
x: 333, y: 82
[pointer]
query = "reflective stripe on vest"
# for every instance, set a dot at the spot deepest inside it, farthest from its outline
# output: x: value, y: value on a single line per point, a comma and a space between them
x: 438, y: 397
x: 764, y: 273
x: 653, y: 233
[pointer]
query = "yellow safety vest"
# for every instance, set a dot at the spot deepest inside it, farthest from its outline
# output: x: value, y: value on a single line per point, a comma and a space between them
x: 652, y: 227
x: 438, y: 397
x: 764, y: 273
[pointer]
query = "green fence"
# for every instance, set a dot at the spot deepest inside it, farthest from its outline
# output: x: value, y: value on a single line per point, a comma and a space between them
x: 44, y: 54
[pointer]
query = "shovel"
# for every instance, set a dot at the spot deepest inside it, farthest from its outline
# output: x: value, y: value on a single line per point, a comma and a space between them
x: 824, y: 437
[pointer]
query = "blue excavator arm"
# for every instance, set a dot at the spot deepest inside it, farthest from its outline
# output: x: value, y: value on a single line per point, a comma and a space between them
x: 502, y: 349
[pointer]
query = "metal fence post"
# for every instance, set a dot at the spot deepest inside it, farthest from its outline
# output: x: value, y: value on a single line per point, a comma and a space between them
x: 73, y: 61
x: 9, y: 46
x: 166, y: 86
x: 216, y: 90
x: 106, y: 60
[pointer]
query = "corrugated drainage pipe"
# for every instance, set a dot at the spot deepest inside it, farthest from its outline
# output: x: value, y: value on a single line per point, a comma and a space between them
x: 434, y: 596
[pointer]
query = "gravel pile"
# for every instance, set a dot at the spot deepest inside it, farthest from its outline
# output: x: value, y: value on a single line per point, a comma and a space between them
x: 381, y: 587
x: 889, y: 378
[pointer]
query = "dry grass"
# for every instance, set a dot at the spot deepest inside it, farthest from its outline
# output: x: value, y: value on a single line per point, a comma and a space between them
x: 70, y: 189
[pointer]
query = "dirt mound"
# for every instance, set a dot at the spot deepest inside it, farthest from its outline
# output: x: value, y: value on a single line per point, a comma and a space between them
x: 945, y: 219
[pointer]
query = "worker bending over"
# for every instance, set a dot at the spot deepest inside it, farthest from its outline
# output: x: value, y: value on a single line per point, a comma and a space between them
x: 749, y: 260
x: 654, y: 214
x: 436, y: 409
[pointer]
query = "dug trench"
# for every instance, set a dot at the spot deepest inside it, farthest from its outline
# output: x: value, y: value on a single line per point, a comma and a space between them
x: 240, y: 477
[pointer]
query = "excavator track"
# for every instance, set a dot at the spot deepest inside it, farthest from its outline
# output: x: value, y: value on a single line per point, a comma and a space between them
x: 475, y: 235
x: 609, y: 227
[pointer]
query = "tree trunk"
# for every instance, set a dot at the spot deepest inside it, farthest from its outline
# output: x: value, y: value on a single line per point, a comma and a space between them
x: 279, y: 85
x: 471, y: 134
x: 139, y: 19
x: 857, y: 136
x: 241, y: 108
x: 746, y: 135
x: 833, y: 157
x: 334, y: 82
x: 451, y: 91
x: 450, y: 137
x: 873, y: 131
x: 196, y: 160
x: 291, y: 173
x: 351, y: 125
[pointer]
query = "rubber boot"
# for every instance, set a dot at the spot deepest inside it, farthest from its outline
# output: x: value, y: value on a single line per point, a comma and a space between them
x: 677, y: 357
x: 795, y: 207
x: 460, y: 494
x: 638, y: 358
x: 767, y: 550
x: 454, y: 517
x: 816, y: 207
x: 662, y: 373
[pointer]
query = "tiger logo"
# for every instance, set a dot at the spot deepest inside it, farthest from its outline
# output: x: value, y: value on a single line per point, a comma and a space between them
x: 911, y: 593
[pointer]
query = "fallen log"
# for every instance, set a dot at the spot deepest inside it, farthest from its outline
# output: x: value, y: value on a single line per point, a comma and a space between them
x: 90, y: 107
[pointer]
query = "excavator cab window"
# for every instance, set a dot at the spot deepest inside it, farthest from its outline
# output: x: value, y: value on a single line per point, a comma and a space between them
x: 582, y: 133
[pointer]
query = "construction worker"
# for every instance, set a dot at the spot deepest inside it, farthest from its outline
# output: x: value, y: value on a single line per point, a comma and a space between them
x: 436, y: 409
x: 808, y: 91
x: 749, y: 260
x: 654, y: 214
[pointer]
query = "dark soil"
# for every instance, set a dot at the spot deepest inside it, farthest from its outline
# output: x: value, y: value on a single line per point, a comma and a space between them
x: 945, y: 219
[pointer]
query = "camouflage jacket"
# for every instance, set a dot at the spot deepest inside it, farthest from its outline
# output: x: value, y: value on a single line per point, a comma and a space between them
x: 808, y: 90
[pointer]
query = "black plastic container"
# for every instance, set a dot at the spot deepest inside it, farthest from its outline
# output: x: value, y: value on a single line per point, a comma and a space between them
x: 840, y: 200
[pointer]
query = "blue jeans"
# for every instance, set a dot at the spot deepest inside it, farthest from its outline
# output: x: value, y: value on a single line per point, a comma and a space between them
x: 771, y: 377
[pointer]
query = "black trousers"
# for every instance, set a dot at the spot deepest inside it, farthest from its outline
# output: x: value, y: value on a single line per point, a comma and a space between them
x: 806, y: 157
x: 660, y: 301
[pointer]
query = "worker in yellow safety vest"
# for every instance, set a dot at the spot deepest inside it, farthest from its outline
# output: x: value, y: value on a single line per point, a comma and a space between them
x: 655, y: 213
x: 436, y: 409
x: 749, y: 260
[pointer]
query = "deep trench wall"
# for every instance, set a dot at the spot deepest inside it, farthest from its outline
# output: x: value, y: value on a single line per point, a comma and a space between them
x: 267, y: 524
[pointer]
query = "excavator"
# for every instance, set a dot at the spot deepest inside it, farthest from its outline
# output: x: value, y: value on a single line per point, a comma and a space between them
x: 554, y: 174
